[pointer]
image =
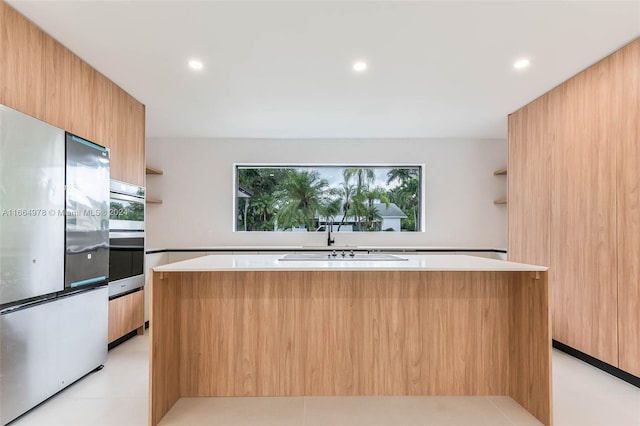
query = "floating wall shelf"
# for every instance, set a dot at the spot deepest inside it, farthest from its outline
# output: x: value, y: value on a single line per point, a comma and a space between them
x: 153, y: 171
x: 500, y: 172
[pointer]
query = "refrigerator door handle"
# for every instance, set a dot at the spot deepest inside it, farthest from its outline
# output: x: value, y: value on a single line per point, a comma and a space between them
x: 28, y: 304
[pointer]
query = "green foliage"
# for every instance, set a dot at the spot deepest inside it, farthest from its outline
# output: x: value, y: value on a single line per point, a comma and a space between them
x: 406, y: 196
x: 286, y: 198
x: 300, y: 199
x: 132, y: 211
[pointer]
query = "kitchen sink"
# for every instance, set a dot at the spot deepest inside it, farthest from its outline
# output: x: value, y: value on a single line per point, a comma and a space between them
x: 341, y: 257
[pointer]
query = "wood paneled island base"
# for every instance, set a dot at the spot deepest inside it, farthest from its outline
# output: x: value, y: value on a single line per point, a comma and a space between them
x: 317, y: 332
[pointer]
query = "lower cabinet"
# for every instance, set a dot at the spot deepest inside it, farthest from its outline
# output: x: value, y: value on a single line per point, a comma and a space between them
x: 126, y: 314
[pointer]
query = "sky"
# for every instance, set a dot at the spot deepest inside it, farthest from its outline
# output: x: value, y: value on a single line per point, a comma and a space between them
x: 333, y: 175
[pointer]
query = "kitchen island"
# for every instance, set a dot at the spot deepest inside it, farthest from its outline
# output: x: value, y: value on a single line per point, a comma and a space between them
x: 255, y: 325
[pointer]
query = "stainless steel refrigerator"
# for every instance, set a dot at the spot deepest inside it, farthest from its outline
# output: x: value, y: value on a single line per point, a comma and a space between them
x: 51, y: 334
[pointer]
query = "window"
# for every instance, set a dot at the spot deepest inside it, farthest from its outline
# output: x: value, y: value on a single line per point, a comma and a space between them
x: 307, y: 198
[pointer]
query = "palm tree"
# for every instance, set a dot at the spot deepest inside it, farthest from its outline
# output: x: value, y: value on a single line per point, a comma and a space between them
x: 263, y: 209
x: 401, y: 175
x: 377, y: 193
x: 330, y: 209
x: 372, y: 218
x: 407, y: 197
x: 301, y: 199
x: 372, y: 214
x: 364, y: 178
x: 347, y: 192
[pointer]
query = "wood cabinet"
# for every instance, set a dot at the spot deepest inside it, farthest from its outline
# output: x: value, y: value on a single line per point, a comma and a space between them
x: 68, y: 91
x: 626, y: 63
x: 126, y: 314
x: 103, y: 113
x: 84, y: 102
x: 126, y: 149
x: 22, y: 67
x: 583, y: 216
x: 42, y: 78
x: 528, y: 185
x: 574, y: 204
x: 335, y: 332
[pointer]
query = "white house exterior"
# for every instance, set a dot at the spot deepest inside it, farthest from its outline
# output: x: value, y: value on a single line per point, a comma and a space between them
x: 391, y: 219
x: 391, y: 216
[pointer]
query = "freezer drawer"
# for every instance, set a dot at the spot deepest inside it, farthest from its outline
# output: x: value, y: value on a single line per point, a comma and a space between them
x: 47, y: 347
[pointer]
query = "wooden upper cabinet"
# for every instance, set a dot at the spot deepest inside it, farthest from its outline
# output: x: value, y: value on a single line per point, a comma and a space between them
x: 102, y: 114
x: 70, y: 91
x: 84, y: 102
x: 21, y: 63
x: 42, y: 78
x: 127, y: 145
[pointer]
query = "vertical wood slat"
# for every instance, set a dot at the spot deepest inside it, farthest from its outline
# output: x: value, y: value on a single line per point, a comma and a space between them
x: 583, y: 224
x: 530, y: 344
x: 592, y: 221
x: 528, y: 184
x: 164, y: 344
x: 42, y: 78
x: 22, y: 63
x: 127, y: 141
x: 69, y: 91
x: 126, y: 314
x: 349, y: 333
x: 626, y: 109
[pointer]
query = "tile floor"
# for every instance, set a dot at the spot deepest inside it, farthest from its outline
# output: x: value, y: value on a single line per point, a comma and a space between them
x: 117, y: 396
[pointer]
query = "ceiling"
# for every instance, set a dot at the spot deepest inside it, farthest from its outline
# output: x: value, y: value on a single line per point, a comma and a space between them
x: 282, y: 69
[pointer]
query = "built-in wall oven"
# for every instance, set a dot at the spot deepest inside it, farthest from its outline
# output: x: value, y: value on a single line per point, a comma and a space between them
x: 126, y: 238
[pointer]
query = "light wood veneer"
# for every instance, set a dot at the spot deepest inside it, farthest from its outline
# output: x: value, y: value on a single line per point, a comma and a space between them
x: 22, y: 52
x: 626, y: 108
x: 42, y: 78
x: 350, y: 333
x: 574, y: 204
x: 126, y: 314
x: 583, y: 220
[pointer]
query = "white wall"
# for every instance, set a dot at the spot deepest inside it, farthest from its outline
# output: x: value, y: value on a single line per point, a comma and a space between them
x: 197, y: 189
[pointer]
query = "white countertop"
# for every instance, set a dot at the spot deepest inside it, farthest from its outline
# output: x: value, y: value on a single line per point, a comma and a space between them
x: 237, y: 262
x: 327, y: 248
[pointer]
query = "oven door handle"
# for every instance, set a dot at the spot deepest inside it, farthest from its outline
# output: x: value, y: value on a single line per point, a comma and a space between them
x: 129, y: 234
x: 121, y: 197
x: 122, y: 247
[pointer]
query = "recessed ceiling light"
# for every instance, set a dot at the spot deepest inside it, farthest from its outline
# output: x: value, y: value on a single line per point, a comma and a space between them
x: 360, y: 66
x: 195, y: 64
x: 521, y: 64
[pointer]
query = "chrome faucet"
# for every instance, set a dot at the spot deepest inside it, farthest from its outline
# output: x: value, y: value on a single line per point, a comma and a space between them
x: 330, y: 240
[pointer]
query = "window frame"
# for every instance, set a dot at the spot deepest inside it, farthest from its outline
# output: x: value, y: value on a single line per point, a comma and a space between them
x: 422, y: 185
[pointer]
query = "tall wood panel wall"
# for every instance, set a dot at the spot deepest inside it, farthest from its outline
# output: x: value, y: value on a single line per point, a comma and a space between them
x: 574, y: 204
x: 627, y: 110
x: 42, y: 78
